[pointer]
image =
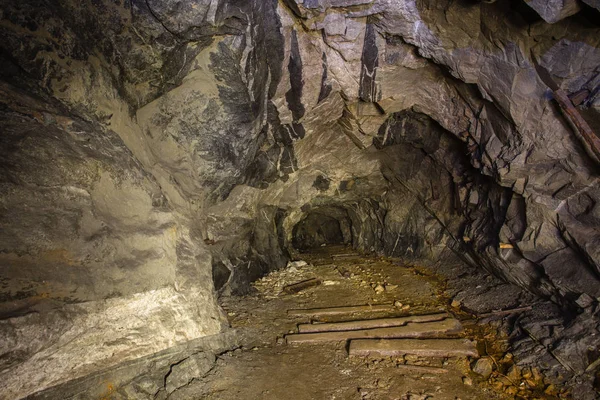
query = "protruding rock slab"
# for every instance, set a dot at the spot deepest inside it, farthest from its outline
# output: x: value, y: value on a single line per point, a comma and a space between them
x: 369, y: 323
x: 554, y: 10
x: 423, y: 348
x: 316, y: 312
x: 445, y: 327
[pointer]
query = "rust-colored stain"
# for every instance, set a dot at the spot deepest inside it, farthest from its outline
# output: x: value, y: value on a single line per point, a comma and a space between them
x: 62, y: 256
x: 110, y: 389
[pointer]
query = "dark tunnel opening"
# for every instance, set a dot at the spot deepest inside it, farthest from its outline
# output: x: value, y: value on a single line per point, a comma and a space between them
x: 323, y: 227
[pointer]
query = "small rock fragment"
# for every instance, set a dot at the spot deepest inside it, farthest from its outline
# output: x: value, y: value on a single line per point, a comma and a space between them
x: 379, y: 289
x: 297, y: 264
x: 551, y: 390
x: 467, y: 381
x: 514, y: 374
x: 511, y: 390
x: 483, y: 367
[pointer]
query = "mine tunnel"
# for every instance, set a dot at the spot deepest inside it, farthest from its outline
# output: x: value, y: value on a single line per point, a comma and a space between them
x: 322, y: 227
x: 308, y: 199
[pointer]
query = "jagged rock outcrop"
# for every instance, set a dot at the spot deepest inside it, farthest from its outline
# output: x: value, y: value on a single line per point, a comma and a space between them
x: 155, y: 153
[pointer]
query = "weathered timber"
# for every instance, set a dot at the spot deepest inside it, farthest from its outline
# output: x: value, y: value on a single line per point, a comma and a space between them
x: 369, y: 323
x: 297, y: 287
x: 584, y: 132
x: 421, y: 369
x: 424, y: 348
x: 449, y: 326
x: 342, y: 310
x: 591, y: 142
x: 345, y: 255
x: 505, y: 312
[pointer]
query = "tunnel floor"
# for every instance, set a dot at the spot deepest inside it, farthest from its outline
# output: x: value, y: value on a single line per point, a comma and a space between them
x: 266, y: 367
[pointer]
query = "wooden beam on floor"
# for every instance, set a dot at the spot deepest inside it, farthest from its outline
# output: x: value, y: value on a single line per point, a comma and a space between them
x: 316, y: 312
x: 369, y: 323
x: 421, y: 369
x: 345, y: 255
x: 439, y: 348
x: 448, y: 326
x: 297, y: 287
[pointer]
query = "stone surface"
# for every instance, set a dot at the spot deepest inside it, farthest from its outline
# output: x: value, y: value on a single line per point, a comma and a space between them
x: 483, y: 367
x: 554, y: 10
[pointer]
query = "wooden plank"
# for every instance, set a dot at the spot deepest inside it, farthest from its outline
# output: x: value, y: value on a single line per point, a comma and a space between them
x: 343, y: 310
x: 505, y: 312
x: 297, y: 287
x: 345, y: 255
x: 591, y: 142
x: 369, y: 323
x: 423, y: 348
x: 421, y: 369
x: 448, y: 326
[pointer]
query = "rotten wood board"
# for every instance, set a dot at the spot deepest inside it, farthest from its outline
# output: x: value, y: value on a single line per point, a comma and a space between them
x: 315, y: 312
x: 505, y: 312
x: 299, y: 286
x: 421, y: 369
x: 437, y: 348
x: 346, y: 255
x: 369, y: 323
x: 444, y: 328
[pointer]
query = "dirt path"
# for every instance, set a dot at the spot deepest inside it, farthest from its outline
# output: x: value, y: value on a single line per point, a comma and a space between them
x: 265, y: 367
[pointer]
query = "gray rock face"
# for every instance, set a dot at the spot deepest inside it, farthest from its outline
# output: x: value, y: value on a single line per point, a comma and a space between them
x: 555, y: 10
x: 156, y: 153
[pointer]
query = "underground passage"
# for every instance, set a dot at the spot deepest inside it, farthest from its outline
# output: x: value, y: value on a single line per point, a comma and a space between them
x: 322, y: 228
x: 300, y: 199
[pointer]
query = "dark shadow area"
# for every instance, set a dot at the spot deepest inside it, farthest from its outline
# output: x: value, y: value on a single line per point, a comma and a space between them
x: 220, y: 274
x: 327, y: 226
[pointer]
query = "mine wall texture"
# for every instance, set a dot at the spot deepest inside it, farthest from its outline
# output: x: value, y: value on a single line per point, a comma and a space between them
x: 158, y: 153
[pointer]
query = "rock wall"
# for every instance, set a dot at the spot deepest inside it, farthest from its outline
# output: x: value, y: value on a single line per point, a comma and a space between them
x: 157, y: 153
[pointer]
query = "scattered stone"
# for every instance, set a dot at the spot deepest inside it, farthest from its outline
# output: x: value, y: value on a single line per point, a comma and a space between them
x: 497, y: 385
x: 398, y: 304
x: 296, y: 264
x: 379, y: 289
x: 467, y: 381
x: 585, y: 300
x: 511, y: 390
x: 551, y: 390
x: 514, y: 374
x: 483, y: 367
